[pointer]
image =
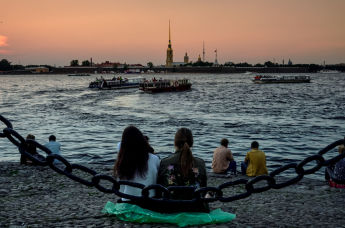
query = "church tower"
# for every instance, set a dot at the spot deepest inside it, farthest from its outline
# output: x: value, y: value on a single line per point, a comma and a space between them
x: 169, y: 61
x: 199, y: 59
x: 186, y: 59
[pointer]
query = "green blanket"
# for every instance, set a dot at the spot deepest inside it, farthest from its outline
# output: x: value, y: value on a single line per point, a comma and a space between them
x: 133, y: 213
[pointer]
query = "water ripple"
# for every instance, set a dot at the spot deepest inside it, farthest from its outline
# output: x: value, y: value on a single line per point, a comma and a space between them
x: 290, y: 121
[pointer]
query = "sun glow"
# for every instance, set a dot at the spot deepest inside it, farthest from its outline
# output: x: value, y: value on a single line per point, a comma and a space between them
x: 3, y: 41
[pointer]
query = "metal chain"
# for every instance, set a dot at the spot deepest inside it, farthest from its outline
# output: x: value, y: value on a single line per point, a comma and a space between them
x: 66, y: 168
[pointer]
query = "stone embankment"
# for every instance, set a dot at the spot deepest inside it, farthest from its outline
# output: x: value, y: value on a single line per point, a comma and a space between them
x: 32, y: 196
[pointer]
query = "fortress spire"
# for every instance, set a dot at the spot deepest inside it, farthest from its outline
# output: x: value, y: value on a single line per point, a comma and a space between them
x: 169, y: 35
x: 169, y: 60
x: 203, y: 51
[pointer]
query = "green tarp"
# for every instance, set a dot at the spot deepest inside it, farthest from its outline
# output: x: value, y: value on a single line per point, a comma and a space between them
x: 133, y: 213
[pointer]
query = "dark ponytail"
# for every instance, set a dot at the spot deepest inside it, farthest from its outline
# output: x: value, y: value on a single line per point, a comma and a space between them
x: 183, y: 142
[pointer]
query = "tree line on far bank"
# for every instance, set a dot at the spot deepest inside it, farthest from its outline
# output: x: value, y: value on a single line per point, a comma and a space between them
x: 5, y: 65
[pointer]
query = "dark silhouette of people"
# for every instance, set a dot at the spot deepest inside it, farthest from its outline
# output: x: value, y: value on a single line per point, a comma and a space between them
x: 31, y: 149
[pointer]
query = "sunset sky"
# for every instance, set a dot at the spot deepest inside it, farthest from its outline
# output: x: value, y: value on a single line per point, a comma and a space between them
x: 136, y: 31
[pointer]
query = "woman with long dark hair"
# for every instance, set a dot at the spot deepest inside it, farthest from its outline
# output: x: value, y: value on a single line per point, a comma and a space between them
x: 135, y: 161
x: 183, y: 169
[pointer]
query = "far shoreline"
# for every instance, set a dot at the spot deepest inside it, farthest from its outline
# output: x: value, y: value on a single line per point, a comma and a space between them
x: 177, y: 69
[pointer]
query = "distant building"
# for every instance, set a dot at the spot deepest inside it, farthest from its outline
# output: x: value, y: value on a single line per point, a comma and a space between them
x: 178, y: 63
x: 38, y: 70
x: 199, y: 58
x: 216, y: 60
x: 170, y: 56
x: 186, y: 59
x: 107, y: 64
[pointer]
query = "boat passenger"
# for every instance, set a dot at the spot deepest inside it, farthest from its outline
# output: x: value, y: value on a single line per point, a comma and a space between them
x: 255, y: 162
x: 135, y: 162
x: 183, y: 169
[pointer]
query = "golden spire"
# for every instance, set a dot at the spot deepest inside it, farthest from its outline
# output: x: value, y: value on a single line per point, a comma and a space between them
x: 169, y: 36
x: 170, y: 55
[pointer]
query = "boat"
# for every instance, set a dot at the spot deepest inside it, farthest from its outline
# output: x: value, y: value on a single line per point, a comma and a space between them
x: 133, y: 71
x: 327, y: 71
x: 248, y: 73
x: 79, y: 74
x: 165, y: 85
x: 263, y: 79
x: 116, y: 83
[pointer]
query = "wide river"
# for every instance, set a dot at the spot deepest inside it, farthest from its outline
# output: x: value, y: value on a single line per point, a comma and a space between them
x: 290, y: 121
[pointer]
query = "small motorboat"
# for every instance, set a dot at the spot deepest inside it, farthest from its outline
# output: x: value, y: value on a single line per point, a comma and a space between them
x: 79, y: 74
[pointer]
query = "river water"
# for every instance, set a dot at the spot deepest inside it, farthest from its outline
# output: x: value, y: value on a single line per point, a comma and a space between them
x: 290, y: 121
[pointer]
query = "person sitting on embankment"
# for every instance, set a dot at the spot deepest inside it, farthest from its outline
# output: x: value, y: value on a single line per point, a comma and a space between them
x: 255, y: 162
x: 223, y: 161
x: 183, y: 169
x: 31, y: 149
x: 338, y: 170
x: 136, y: 162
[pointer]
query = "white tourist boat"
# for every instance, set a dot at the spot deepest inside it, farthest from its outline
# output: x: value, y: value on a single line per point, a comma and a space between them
x: 116, y: 83
x: 79, y: 74
x: 165, y: 85
x: 264, y: 79
x: 327, y: 71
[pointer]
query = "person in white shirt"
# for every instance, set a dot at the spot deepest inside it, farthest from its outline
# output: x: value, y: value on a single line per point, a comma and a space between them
x: 54, y: 146
x: 136, y: 162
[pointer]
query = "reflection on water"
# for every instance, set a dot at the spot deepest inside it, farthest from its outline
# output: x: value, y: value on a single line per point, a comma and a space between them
x: 290, y: 121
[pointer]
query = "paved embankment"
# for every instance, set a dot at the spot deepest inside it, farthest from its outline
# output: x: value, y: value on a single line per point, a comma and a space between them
x: 32, y: 196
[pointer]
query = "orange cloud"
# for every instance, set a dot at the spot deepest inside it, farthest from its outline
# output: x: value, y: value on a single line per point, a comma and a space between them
x: 3, y: 41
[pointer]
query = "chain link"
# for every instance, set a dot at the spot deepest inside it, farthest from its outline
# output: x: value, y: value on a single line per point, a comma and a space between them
x: 7, y: 123
x: 233, y: 184
x: 291, y: 181
x: 60, y: 165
